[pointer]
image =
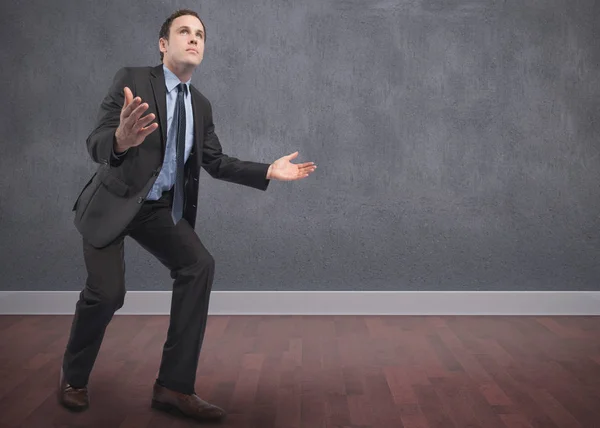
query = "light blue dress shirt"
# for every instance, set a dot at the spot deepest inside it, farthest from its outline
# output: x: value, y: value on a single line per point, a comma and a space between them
x: 166, y: 177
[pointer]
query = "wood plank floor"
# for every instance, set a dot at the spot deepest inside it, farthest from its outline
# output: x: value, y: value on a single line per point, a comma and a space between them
x: 322, y: 372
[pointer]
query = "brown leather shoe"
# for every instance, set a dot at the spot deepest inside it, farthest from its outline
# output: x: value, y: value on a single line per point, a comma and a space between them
x: 75, y: 399
x: 189, y: 405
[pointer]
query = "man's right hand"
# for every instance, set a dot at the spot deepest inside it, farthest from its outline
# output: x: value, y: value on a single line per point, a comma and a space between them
x: 133, y: 128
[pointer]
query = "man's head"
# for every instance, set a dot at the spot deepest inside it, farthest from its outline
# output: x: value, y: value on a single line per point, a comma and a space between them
x: 181, y: 39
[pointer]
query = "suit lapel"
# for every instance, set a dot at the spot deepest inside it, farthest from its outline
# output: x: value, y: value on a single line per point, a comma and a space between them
x: 157, y: 80
x: 198, y: 124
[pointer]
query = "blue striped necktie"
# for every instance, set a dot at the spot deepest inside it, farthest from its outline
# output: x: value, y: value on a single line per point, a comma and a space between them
x: 178, y: 194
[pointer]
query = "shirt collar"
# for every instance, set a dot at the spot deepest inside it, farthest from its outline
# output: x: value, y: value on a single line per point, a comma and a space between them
x: 171, y: 81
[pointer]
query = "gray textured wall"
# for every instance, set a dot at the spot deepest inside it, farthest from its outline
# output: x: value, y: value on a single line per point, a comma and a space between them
x: 457, y: 141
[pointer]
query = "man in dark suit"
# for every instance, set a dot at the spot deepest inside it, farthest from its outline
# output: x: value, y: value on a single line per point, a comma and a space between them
x: 154, y: 132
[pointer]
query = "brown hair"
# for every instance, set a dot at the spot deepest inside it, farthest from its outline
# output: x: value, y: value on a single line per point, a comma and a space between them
x: 166, y: 27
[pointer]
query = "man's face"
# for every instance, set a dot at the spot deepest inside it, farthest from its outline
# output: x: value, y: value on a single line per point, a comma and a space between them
x: 186, y: 42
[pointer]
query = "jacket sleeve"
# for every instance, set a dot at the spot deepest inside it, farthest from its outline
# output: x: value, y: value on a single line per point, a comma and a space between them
x: 101, y: 141
x: 228, y: 168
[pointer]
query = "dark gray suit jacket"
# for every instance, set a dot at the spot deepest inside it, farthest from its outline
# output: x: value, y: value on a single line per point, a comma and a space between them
x: 114, y: 194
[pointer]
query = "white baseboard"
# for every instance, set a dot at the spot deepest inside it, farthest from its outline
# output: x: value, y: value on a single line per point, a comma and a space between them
x: 326, y: 303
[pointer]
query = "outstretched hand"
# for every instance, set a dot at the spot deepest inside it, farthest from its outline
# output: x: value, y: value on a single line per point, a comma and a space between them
x: 282, y: 169
x: 133, y: 128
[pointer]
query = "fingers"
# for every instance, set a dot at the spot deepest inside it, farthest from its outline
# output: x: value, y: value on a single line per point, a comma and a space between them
x: 132, y: 106
x: 133, y: 110
x: 132, y: 123
x: 141, y: 123
x: 134, y: 127
x: 300, y: 165
x: 137, y: 113
x: 140, y: 136
x: 307, y: 166
x: 144, y: 132
x: 127, y: 111
x: 304, y: 172
x: 128, y: 97
x: 141, y: 131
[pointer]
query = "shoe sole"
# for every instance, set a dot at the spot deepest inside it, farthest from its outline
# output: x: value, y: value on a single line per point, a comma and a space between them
x: 73, y: 408
x: 174, y: 410
x: 166, y: 407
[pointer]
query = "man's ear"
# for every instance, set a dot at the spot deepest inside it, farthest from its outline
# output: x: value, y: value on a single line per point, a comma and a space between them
x: 162, y: 44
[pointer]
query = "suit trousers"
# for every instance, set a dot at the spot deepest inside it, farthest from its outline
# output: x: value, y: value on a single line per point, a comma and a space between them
x: 177, y: 247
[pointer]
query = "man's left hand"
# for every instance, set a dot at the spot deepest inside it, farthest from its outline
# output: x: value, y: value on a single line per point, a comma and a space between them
x: 282, y: 169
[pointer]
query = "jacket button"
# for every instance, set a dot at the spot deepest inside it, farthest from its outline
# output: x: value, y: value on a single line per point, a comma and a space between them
x: 140, y: 200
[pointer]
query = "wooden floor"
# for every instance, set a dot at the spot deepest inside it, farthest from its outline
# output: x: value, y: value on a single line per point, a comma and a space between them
x: 318, y: 371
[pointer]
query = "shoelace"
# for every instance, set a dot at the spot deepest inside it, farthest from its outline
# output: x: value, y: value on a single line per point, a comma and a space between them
x: 70, y: 388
